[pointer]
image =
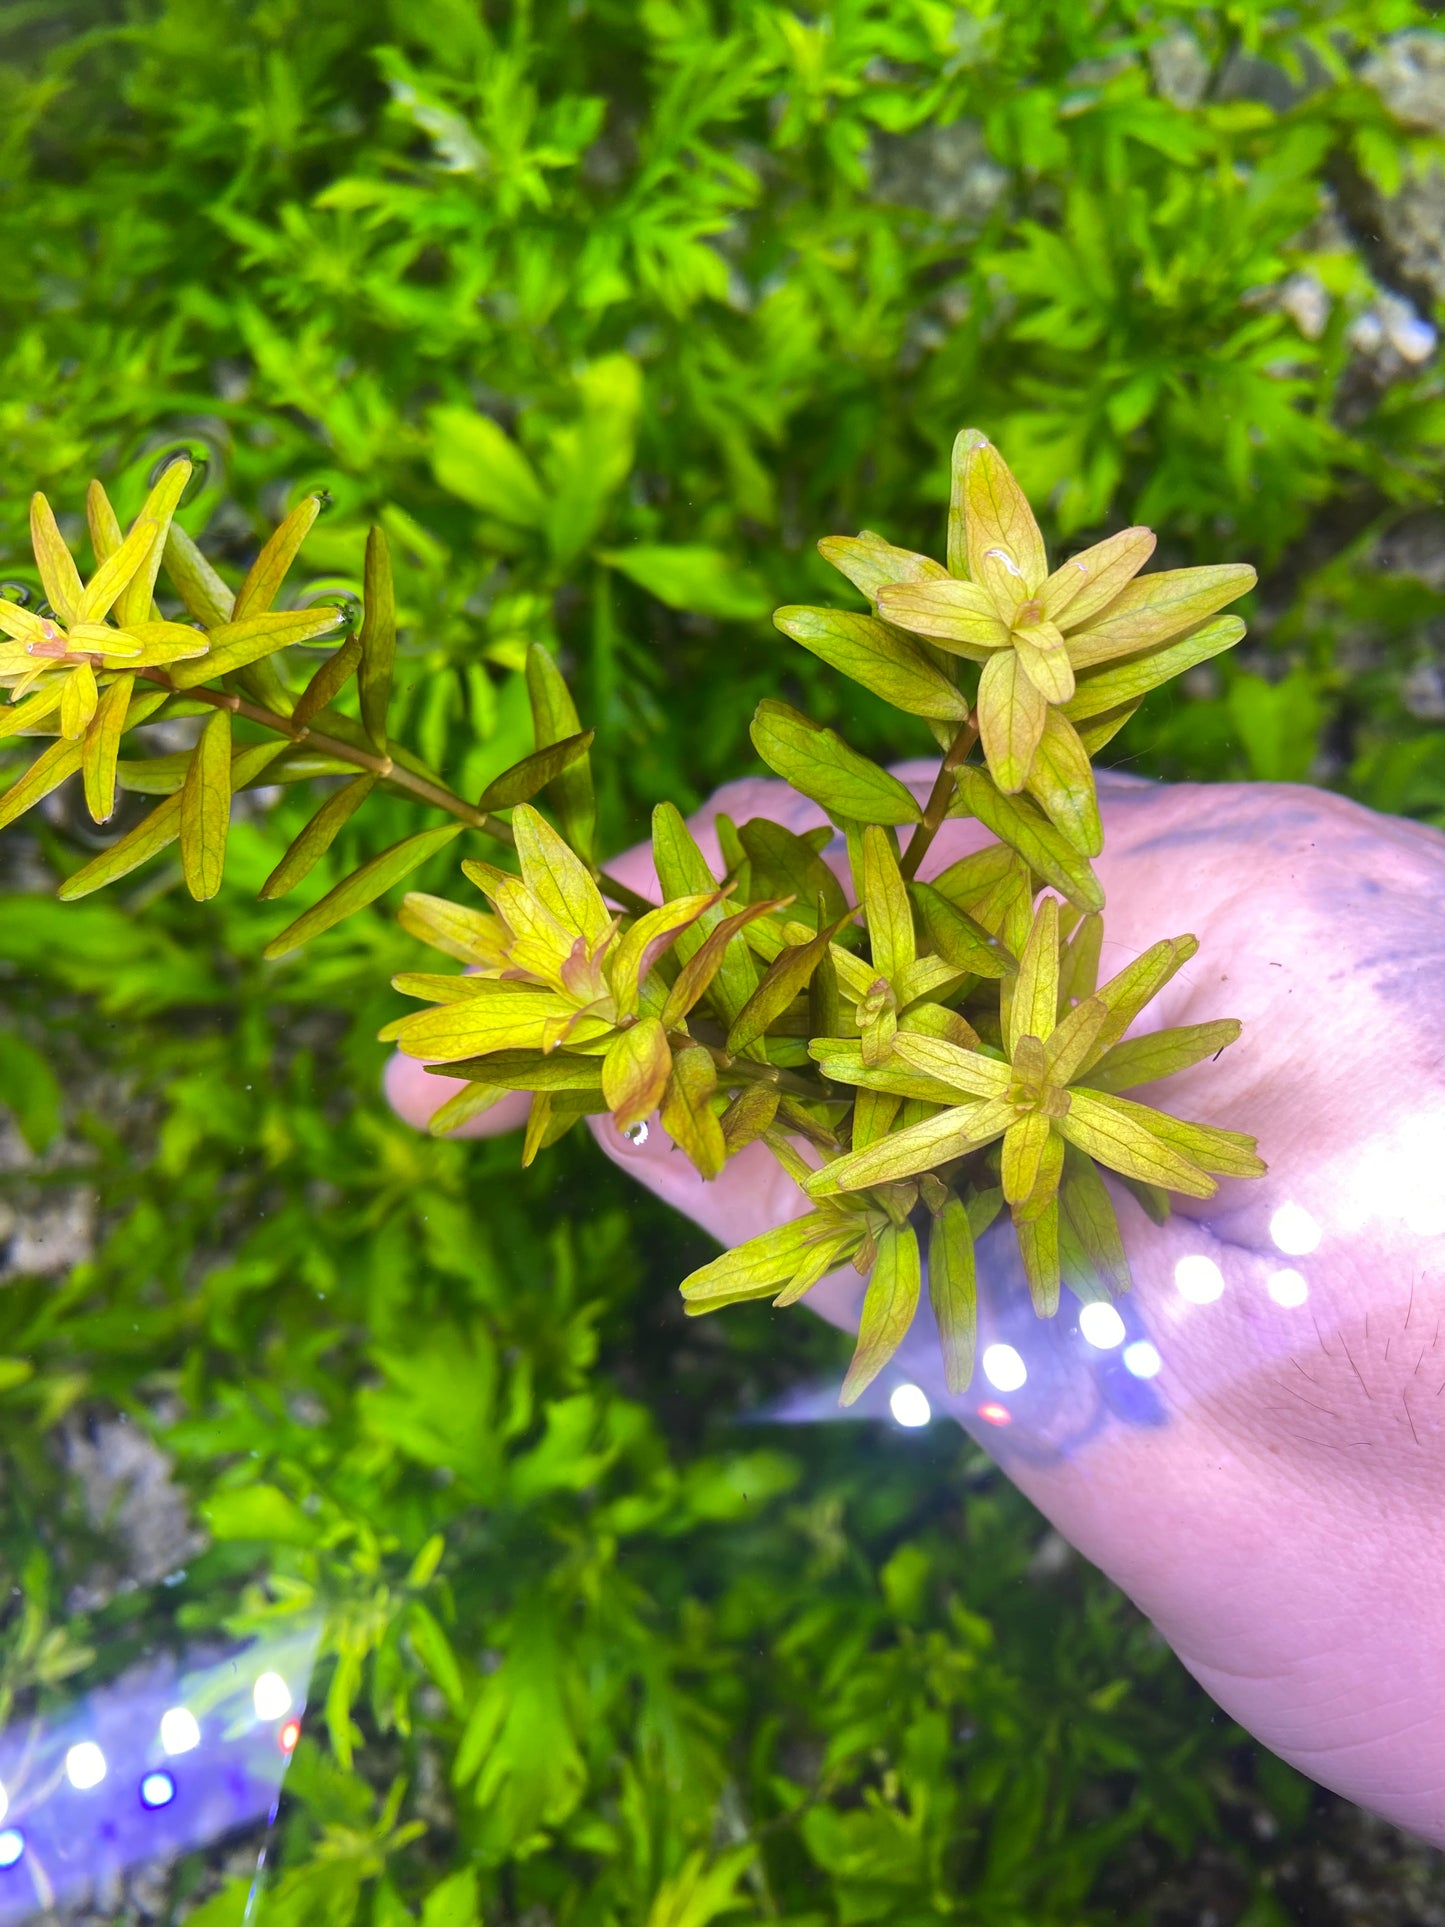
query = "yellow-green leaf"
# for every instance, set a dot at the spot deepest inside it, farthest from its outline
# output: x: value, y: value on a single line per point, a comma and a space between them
x: 1045, y: 661
x: 378, y: 639
x: 707, y: 966
x: 535, y: 772
x: 154, y: 644
x: 558, y: 878
x: 1061, y: 780
x: 878, y: 657
x: 635, y: 1072
x: 1153, y: 608
x: 1039, y: 1249
x: 54, y: 560
x: 1087, y: 583
x: 206, y: 808
x: 1112, y: 1134
x: 1073, y: 1040
x: 1137, y: 984
x: 236, y: 644
x: 1036, y: 994
x: 785, y: 979
x: 472, y: 936
x: 308, y: 848
x: 1019, y: 822
x: 1011, y: 716
x: 49, y: 770
x: 750, y: 1114
x: 267, y: 573
x: 921, y: 1147
x: 889, y: 1305
x: 953, y: 1292
x: 869, y: 562
x: 646, y: 941
x: 135, y: 601
x: 959, y: 616
x: 758, y: 1268
x: 554, y: 720
x: 34, y: 710
x: 1090, y: 1246
x: 200, y: 588
x: 328, y: 682
x: 531, y: 1070
x: 1127, y: 682
x: 105, y: 586
x: 102, y: 747
x: 784, y: 864
x: 964, y: 443
x: 106, y: 534
x: 1023, y: 1145
x: 508, y: 1017
x: 78, y: 701
x: 885, y: 904
x: 364, y: 886
x: 1044, y: 1190
x: 1144, y: 1060
x: 687, y: 1113
x: 959, y: 938
x: 1227, y: 1154
x: 998, y: 517
x: 840, y: 1060
x: 817, y: 762
x: 963, y: 1072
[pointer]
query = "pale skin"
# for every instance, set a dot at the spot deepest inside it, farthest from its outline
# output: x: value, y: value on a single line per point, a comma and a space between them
x: 1274, y: 1502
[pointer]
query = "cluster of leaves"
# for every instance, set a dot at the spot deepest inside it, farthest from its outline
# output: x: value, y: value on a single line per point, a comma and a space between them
x: 970, y: 1058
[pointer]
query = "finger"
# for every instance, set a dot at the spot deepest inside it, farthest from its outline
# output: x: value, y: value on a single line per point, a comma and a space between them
x: 416, y: 1096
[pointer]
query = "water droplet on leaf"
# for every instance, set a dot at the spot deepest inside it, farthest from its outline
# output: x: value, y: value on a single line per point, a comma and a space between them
x: 324, y: 500
x: 636, y: 1133
x: 200, y: 463
x: 17, y: 592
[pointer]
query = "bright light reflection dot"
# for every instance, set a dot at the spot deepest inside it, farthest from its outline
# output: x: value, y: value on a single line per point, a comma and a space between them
x: 996, y: 1414
x: 12, y: 1845
x: 179, y: 1731
x: 1294, y: 1230
x: 85, y: 1766
x: 1287, y: 1288
x: 271, y: 1697
x: 1003, y: 1368
x: 157, y: 1790
x: 4, y: 1803
x: 1142, y: 1359
x: 1102, y: 1326
x: 909, y: 1405
x: 1199, y: 1279
x: 290, y: 1733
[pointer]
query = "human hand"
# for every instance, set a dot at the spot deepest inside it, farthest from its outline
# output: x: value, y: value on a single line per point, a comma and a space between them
x: 1256, y: 1458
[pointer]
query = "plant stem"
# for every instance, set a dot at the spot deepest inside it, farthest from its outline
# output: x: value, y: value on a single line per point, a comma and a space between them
x: 383, y: 766
x: 941, y: 795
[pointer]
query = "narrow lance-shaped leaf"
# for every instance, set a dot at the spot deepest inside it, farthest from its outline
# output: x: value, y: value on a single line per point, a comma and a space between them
x: 1155, y: 608
x: 879, y: 658
x: 78, y: 701
x: 635, y: 1072
x: 159, y: 830
x: 964, y: 443
x: 1039, y: 1249
x: 102, y: 747
x: 1094, y: 1259
x: 1137, y: 984
x: 316, y: 839
x: 554, y: 720
x: 687, y: 1114
x: 206, y: 808
x: 953, y: 1292
x: 534, y: 773
x: 200, y: 588
x: 105, y: 586
x: 786, y: 977
x: 1144, y: 1060
x: 17, y: 717
x: 784, y: 864
x: 646, y: 941
x: 1011, y: 717
x: 462, y: 1106
x: 999, y: 519
x: 885, y: 903
x: 707, y: 963
x: 1061, y: 780
x: 817, y: 762
x: 1128, y: 681
x: 889, y: 1305
x: 683, y: 871
x: 920, y: 1147
x: 751, y: 1113
x: 378, y: 639
x: 327, y: 684
x: 49, y: 770
x: 54, y: 560
x: 106, y: 534
x: 268, y: 571
x: 526, y: 1070
x: 235, y: 645
x: 1036, y: 994
x: 136, y: 599
x: 869, y: 562
x: 759, y: 1267
x: 363, y: 886
x: 1108, y: 1132
x: 957, y: 937
x: 1017, y: 821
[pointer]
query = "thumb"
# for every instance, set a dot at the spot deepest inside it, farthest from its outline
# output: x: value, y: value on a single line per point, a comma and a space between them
x: 416, y: 1097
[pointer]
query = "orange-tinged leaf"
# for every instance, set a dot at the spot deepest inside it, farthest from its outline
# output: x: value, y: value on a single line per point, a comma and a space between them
x: 919, y: 1148
x: 312, y: 843
x: 953, y: 1292
x: 54, y: 560
x: 1023, y: 1145
x: 999, y: 519
x: 364, y: 886
x: 709, y: 963
x: 268, y: 571
x: 646, y: 941
x: 1087, y: 583
x: 558, y: 878
x: 1154, y: 608
x: 889, y: 1305
x: 1011, y: 717
x: 784, y: 980
x: 102, y: 747
x: 635, y: 1072
x: 1115, y: 1135
x: 1044, y: 659
x: 1036, y: 993
x: 509, y: 1017
x: 870, y: 562
x: 965, y: 1073
x: 1144, y: 1060
x: 958, y: 616
x: 751, y: 1113
x: 206, y: 808
x: 535, y: 772
x: 1061, y: 780
x: 78, y: 701
x: 687, y: 1113
x: 886, y: 906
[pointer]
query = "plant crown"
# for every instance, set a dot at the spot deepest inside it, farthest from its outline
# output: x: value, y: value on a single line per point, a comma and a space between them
x: 906, y: 1049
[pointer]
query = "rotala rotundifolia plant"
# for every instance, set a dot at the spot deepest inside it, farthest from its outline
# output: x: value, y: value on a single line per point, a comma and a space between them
x: 914, y: 1054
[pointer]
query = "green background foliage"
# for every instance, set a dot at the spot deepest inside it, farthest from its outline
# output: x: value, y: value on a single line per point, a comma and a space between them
x: 607, y: 312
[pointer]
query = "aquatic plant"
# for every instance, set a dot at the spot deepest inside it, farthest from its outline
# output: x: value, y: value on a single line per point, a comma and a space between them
x: 904, y: 1048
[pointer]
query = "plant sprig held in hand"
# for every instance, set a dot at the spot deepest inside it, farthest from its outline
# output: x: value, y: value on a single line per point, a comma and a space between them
x: 912, y: 1053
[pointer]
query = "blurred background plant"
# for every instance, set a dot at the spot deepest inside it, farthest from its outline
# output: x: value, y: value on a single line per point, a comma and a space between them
x: 608, y: 311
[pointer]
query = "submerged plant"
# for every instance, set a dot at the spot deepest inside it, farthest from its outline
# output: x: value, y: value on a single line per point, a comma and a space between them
x: 910, y: 1052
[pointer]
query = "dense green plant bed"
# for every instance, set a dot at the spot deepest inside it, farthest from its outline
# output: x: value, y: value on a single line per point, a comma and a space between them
x: 606, y: 314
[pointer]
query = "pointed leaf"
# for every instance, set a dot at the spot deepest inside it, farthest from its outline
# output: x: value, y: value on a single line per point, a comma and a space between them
x: 889, y: 1305
x: 964, y: 443
x: 477, y: 461
x: 1061, y: 780
x: 1227, y: 1154
x: 35, y: 709
x: 885, y: 900
x: 206, y: 808
x: 646, y: 941
x: 49, y: 770
x: 78, y: 701
x: 1154, y: 608
x: 1011, y: 717
x: 869, y: 562
x: 364, y: 886
x: 205, y: 595
x: 470, y: 935
x: 709, y: 964
x: 1017, y: 821
x: 266, y: 574
x: 922, y: 1147
x: 999, y: 519
x: 54, y: 560
x: 1073, y: 1040
x: 817, y: 762
x: 1094, y: 1259
x: 469, y: 1102
x: 378, y: 639
x: 1126, y: 682
x: 1036, y: 994
x: 957, y: 937
x: 531, y: 1070
x: 106, y: 534
x: 1084, y: 585
x: 1023, y: 1145
x: 682, y: 871
x: 558, y: 878
x: 1079, y: 967
x: 635, y: 1072
x: 953, y: 1292
x: 1144, y: 1060
x: 136, y: 599
x: 318, y: 836
x: 327, y: 684
x: 236, y: 644
x: 102, y: 747
x: 840, y: 1060
x: 1039, y: 1249
x: 750, y: 1114
x: 687, y: 1114
x: 959, y: 616
x: 877, y: 657
x: 160, y: 643
x: 1107, y: 1132
x: 105, y: 586
x: 787, y: 865
x: 535, y: 772
x: 1137, y: 984
x: 554, y: 720
x: 1045, y: 661
x: 785, y: 979
x: 757, y: 1269
x: 960, y: 1070
x: 509, y: 1017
